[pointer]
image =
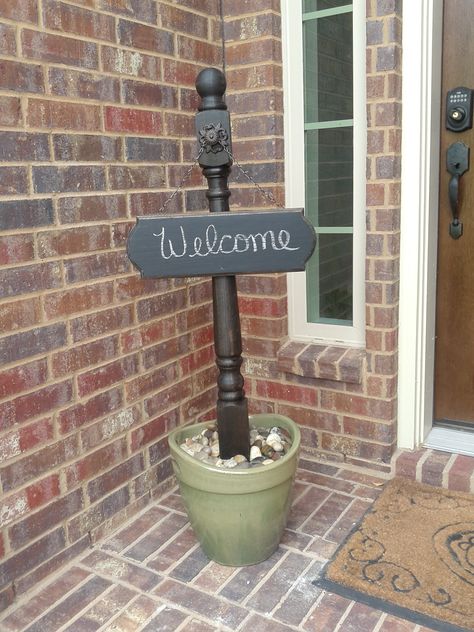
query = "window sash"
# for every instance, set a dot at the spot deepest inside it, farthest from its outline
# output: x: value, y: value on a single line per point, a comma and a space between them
x: 299, y: 327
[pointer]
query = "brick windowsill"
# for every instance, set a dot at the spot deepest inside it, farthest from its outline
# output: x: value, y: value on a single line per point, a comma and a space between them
x: 342, y: 364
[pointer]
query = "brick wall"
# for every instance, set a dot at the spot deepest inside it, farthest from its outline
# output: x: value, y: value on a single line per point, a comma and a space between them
x: 97, y: 108
x: 345, y: 399
x: 96, y: 126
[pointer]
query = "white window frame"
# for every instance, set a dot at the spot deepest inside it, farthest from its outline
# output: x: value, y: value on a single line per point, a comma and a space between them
x: 292, y: 36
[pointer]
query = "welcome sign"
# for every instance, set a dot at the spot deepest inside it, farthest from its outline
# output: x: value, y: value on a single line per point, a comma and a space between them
x: 221, y: 243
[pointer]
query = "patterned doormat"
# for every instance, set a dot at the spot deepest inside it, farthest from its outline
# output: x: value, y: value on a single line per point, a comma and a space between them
x: 412, y: 556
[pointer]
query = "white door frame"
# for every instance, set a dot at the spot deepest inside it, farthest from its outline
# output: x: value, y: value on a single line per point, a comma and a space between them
x: 422, y: 38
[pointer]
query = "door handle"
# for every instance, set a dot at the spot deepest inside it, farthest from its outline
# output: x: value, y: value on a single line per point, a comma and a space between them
x: 457, y: 163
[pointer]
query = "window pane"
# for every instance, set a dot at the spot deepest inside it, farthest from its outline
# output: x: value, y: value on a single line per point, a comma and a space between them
x: 330, y: 280
x: 329, y: 176
x: 320, y: 5
x: 328, y: 68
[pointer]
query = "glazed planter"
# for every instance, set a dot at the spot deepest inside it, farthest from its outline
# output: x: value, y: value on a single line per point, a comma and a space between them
x: 238, y: 515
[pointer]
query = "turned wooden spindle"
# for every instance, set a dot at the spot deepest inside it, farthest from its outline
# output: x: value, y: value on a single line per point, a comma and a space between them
x: 214, y: 135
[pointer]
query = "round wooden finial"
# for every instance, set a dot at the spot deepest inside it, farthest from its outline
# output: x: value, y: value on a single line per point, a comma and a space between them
x: 210, y: 85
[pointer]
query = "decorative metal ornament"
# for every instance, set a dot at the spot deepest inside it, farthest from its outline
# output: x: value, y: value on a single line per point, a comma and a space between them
x: 213, y: 138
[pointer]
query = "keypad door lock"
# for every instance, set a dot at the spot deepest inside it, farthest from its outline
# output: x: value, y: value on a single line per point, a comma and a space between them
x: 459, y: 109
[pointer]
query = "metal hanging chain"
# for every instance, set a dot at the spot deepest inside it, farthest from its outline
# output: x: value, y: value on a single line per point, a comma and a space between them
x: 181, y: 184
x: 217, y: 145
x: 266, y: 194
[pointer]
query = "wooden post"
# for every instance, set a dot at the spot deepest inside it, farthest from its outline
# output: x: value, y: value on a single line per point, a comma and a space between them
x: 213, y: 129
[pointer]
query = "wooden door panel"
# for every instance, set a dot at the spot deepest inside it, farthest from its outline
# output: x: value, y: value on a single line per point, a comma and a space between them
x: 454, y: 360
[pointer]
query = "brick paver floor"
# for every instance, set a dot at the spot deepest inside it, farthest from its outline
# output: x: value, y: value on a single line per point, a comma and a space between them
x: 151, y: 575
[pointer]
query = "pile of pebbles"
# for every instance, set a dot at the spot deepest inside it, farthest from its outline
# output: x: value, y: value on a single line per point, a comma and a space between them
x: 267, y: 446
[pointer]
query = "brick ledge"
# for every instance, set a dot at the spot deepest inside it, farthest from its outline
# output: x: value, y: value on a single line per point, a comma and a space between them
x: 326, y: 362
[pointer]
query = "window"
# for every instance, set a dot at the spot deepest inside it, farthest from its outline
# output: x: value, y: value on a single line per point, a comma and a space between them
x: 325, y: 146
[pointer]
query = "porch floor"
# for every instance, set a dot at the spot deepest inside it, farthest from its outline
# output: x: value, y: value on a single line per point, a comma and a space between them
x: 152, y: 576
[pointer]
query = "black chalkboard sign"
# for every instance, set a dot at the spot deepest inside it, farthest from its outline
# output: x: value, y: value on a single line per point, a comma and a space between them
x: 217, y: 244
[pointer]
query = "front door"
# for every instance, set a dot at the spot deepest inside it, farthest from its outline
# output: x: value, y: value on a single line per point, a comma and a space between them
x: 454, y: 347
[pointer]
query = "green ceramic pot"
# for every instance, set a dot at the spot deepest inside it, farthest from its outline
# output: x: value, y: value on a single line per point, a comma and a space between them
x: 238, y: 515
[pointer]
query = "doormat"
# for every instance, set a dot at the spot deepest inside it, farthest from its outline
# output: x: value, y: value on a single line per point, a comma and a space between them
x: 412, y: 556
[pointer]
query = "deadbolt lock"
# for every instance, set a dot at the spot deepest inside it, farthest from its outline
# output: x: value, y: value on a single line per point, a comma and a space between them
x: 457, y: 114
x: 459, y: 109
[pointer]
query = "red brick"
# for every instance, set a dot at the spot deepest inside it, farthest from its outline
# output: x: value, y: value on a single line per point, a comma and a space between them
x: 94, y: 208
x: 43, y: 491
x: 16, y: 214
x: 14, y: 507
x: 74, y: 178
x: 110, y: 427
x: 196, y: 50
x: 145, y: 37
x: 96, y: 266
x: 244, y: 6
x: 147, y: 334
x: 72, y: 83
x: 169, y: 397
x: 202, y: 337
x: 41, y: 462
x: 287, y: 393
x: 135, y: 287
x: 59, y: 16
x: 26, y: 407
x: 13, y: 180
x: 37, y: 523
x: 107, y: 375
x: 257, y: 52
x: 131, y: 120
x: 32, y: 342
x: 79, y: 357
x: 21, y: 77
x: 360, y: 617
x: 101, y: 323
x: 179, y: 72
x: 142, y: 177
x: 197, y: 360
x: 32, y: 556
x: 20, y: 10
x: 19, y: 314
x: 149, y: 94
x: 128, y: 62
x: 122, y: 473
x: 57, y: 562
x: 369, y: 429
x: 22, y: 378
x: 14, y: 443
x: 10, y: 111
x: 22, y: 146
x: 7, y: 40
x: 161, y: 305
x: 151, y: 381
x: 152, y: 430
x: 84, y: 148
x: 260, y: 348
x: 180, y: 125
x: 264, y: 307
x: 433, y: 467
x: 32, y: 278
x: 65, y: 303
x: 460, y: 473
x: 182, y: 21
x: 98, y: 514
x: 58, y: 115
x: 165, y: 351
x: 142, y: 10
x: 95, y: 407
x: 351, y: 448
x: 96, y: 462
x: 16, y: 248
x: 59, y: 49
